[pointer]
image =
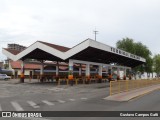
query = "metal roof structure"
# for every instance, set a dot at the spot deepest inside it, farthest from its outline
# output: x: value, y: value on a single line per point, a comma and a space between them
x: 88, y: 50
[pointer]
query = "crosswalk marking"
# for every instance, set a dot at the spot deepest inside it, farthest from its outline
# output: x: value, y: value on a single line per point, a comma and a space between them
x: 84, y: 98
x: 33, y: 104
x: 16, y: 106
x: 0, y: 107
x: 72, y: 99
x: 61, y: 101
x: 47, y: 102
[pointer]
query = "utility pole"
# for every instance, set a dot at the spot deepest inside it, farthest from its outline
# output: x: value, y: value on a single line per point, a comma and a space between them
x: 95, y: 32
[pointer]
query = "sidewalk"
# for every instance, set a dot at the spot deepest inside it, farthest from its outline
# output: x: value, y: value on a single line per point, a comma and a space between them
x: 126, y: 96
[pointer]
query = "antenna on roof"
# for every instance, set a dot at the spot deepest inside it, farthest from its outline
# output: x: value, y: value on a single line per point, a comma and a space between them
x: 95, y: 32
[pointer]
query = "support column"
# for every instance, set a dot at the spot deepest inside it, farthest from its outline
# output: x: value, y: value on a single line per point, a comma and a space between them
x: 118, y: 73
x: 22, y: 72
x: 106, y: 69
x: 87, y: 73
x: 57, y: 71
x: 70, y: 74
x: 100, y: 74
x: 33, y: 73
x: 110, y: 73
x: 80, y: 70
x: 42, y: 72
x: 124, y: 76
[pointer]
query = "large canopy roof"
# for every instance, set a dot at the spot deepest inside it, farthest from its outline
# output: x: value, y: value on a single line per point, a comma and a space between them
x: 88, y: 50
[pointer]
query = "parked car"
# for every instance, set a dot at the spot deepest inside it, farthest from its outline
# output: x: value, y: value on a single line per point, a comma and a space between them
x: 4, y: 77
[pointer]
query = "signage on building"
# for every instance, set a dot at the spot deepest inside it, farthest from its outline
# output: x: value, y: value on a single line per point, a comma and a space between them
x: 121, y: 52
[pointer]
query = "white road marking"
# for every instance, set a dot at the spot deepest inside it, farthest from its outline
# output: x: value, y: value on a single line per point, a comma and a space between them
x: 0, y: 107
x: 33, y: 104
x: 72, y: 99
x: 16, y: 106
x: 47, y: 102
x: 84, y: 98
x: 57, y: 89
x: 61, y: 101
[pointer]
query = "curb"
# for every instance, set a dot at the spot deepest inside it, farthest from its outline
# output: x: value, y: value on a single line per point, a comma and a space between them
x: 143, y: 94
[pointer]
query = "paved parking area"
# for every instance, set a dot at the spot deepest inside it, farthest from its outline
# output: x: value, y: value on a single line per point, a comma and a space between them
x: 35, y: 96
x: 47, y: 96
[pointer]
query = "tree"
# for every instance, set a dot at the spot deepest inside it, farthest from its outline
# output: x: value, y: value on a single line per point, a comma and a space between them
x: 149, y: 65
x: 126, y: 44
x: 139, y: 49
x: 156, y: 63
x: 6, y: 66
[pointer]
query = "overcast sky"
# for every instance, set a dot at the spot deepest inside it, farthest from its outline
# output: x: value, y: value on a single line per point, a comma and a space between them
x: 68, y: 22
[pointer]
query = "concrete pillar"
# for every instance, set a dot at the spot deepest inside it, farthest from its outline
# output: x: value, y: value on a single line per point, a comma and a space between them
x: 70, y: 74
x: 22, y: 72
x: 110, y: 73
x: 118, y: 73
x: 42, y: 69
x: 87, y: 73
x: 80, y: 70
x: 100, y: 73
x: 42, y: 72
x: 87, y: 69
x: 33, y: 73
x: 57, y: 71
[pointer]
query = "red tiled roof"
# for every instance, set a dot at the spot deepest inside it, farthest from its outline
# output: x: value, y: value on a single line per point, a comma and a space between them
x: 60, y: 63
x: 58, y: 47
x: 63, y: 67
x: 15, y: 52
x: 17, y: 65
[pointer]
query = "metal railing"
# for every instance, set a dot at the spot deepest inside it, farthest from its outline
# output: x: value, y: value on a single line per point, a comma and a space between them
x: 65, y: 80
x: 127, y: 85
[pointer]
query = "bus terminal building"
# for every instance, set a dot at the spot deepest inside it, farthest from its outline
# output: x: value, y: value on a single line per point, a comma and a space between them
x: 86, y: 57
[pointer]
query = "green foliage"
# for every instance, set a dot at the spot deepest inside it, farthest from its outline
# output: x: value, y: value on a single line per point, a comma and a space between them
x: 6, y: 66
x: 126, y: 44
x: 156, y: 63
x: 139, y: 49
x: 149, y: 64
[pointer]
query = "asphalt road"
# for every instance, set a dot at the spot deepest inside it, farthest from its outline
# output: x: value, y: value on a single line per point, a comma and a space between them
x: 46, y: 97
